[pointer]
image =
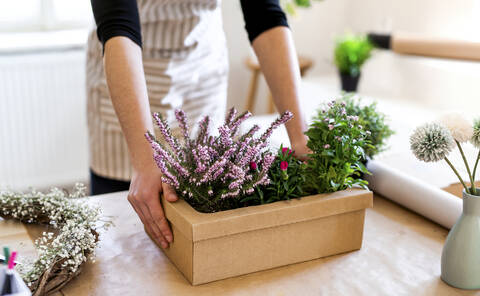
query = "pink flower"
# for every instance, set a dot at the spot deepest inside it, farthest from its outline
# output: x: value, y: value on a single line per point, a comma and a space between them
x: 253, y: 165
x: 330, y: 126
x: 285, y: 150
x: 326, y: 146
x: 283, y: 165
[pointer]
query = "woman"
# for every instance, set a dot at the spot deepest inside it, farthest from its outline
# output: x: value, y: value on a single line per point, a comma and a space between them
x: 181, y: 63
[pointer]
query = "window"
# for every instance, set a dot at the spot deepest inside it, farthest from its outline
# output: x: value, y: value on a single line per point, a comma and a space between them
x: 43, y: 15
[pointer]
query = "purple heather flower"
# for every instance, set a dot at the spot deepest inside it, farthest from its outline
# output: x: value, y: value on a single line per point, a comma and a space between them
x: 344, y: 104
x: 166, y: 156
x: 264, y: 180
x: 343, y: 112
x: 236, y: 123
x: 230, y: 116
x: 230, y: 194
x: 217, y: 174
x: 267, y: 162
x: 182, y: 122
x: 165, y: 131
x: 252, y: 131
x: 253, y: 165
x: 249, y: 191
x: 215, y: 167
x: 225, y: 137
x: 171, y: 179
x: 248, y: 155
x: 326, y: 146
x: 283, y: 165
x: 204, y: 124
x: 286, y: 116
x: 326, y: 119
x: 330, y: 126
x: 237, y: 174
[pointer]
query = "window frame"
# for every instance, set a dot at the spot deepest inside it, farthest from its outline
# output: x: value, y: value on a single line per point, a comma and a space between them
x: 45, y: 21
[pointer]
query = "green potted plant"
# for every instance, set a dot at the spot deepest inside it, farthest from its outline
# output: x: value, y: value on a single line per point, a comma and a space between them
x: 290, y: 6
x: 351, y: 52
x: 372, y: 120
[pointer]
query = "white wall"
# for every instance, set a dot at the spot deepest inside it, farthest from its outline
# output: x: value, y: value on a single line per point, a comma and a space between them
x: 422, y: 80
x: 439, y: 83
x: 313, y: 29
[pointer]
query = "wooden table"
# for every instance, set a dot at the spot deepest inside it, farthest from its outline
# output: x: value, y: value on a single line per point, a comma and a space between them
x: 400, y: 256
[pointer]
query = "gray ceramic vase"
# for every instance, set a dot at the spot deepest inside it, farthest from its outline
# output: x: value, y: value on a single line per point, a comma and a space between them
x: 461, y: 252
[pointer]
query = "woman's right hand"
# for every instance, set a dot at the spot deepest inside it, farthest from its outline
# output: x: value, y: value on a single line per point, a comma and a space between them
x: 144, y: 195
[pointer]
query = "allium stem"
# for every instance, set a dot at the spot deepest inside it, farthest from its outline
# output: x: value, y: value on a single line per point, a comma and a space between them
x: 475, y: 167
x: 458, y: 175
x: 472, y: 182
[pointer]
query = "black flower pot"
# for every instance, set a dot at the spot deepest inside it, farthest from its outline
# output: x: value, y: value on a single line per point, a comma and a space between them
x: 349, y: 82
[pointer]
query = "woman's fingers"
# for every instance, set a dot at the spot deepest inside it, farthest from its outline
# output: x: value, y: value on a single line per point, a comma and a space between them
x: 158, y: 216
x: 169, y: 192
x: 141, y: 206
x: 151, y: 223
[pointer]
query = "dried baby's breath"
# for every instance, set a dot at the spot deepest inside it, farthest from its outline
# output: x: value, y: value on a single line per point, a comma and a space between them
x: 60, y: 257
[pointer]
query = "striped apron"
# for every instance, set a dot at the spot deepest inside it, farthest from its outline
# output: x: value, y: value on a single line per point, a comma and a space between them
x: 185, y: 63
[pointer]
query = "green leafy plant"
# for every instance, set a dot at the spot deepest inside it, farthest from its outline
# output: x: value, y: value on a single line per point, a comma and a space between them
x: 290, y: 6
x: 338, y: 142
x: 287, y: 175
x: 351, y: 52
x: 371, y: 119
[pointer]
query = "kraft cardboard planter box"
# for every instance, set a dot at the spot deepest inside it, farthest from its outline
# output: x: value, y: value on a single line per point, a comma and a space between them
x: 210, y: 247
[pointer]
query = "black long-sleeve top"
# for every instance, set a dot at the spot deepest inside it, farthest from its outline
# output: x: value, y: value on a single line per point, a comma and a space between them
x: 121, y: 18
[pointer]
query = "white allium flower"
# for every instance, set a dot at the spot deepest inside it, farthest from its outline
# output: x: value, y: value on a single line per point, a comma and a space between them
x: 461, y: 128
x: 476, y: 133
x: 431, y: 142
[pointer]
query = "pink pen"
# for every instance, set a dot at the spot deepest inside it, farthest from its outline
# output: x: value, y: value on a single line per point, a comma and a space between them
x: 11, y: 261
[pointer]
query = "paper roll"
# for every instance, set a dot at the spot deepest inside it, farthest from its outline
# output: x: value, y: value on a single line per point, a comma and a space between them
x: 425, y: 199
x: 435, y: 47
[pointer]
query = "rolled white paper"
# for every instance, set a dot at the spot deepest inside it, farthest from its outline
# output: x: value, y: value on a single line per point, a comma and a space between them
x: 425, y: 199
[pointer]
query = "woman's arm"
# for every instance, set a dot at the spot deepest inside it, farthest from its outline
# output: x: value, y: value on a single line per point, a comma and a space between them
x: 119, y: 30
x: 267, y: 29
x: 278, y: 60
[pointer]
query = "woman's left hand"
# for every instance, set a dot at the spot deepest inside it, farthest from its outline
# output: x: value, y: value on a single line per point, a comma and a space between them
x: 301, y: 150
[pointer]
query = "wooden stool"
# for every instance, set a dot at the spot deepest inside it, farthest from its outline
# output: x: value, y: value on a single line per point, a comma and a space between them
x: 252, y: 63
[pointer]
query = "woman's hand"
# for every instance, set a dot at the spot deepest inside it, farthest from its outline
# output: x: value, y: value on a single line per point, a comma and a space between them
x: 300, y: 149
x: 144, y: 195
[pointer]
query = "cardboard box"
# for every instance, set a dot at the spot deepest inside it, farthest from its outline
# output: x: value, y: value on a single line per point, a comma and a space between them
x: 210, y: 247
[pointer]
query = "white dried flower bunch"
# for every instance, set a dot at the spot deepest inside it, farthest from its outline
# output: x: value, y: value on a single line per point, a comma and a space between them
x: 431, y: 142
x: 476, y: 133
x: 460, y: 128
x: 434, y: 141
x: 61, y: 257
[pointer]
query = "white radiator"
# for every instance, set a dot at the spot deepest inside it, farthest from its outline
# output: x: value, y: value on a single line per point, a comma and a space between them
x: 43, y: 134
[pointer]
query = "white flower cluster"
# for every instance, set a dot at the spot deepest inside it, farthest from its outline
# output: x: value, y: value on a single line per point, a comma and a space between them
x: 431, y: 142
x: 434, y: 141
x: 460, y: 128
x: 76, y: 223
